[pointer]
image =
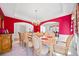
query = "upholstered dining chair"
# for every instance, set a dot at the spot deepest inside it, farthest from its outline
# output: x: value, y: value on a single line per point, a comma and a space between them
x: 62, y: 47
x: 39, y: 34
x: 23, y: 38
x: 50, y: 42
x: 30, y: 42
x: 38, y: 48
x: 44, y: 45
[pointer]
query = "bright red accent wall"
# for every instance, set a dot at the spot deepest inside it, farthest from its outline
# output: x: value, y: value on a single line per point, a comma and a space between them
x: 9, y: 23
x: 64, y: 24
x: 37, y: 28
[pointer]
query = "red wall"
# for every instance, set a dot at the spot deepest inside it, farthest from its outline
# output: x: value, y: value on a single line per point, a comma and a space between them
x: 64, y: 24
x: 37, y: 28
x: 9, y: 23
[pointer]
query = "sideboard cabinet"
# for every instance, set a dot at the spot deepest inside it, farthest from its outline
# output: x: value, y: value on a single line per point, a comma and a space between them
x: 5, y: 43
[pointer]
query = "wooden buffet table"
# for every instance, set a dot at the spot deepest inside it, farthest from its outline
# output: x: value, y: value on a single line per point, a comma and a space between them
x: 5, y: 43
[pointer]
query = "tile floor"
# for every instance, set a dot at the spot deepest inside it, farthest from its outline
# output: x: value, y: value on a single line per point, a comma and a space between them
x: 18, y: 50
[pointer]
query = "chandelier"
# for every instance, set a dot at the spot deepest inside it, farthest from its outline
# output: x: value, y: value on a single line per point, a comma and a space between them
x: 36, y: 21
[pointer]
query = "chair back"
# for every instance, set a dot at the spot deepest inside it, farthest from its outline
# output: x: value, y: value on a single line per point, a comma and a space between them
x: 68, y: 41
x: 51, y: 38
x: 36, y: 41
x: 63, y: 49
x: 23, y: 36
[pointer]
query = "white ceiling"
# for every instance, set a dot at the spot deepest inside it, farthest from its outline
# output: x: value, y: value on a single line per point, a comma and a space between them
x: 37, y: 11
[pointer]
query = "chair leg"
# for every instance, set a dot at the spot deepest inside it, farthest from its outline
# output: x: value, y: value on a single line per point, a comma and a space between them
x: 51, y: 51
x: 20, y: 42
x: 66, y: 52
x: 34, y: 54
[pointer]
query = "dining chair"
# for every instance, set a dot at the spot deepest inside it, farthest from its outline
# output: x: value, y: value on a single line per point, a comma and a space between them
x: 62, y: 47
x: 50, y: 42
x: 38, y: 48
x: 39, y: 34
x: 23, y: 38
x: 30, y: 42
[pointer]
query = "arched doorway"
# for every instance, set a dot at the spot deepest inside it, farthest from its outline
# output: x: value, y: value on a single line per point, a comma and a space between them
x: 22, y: 27
x: 50, y: 27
